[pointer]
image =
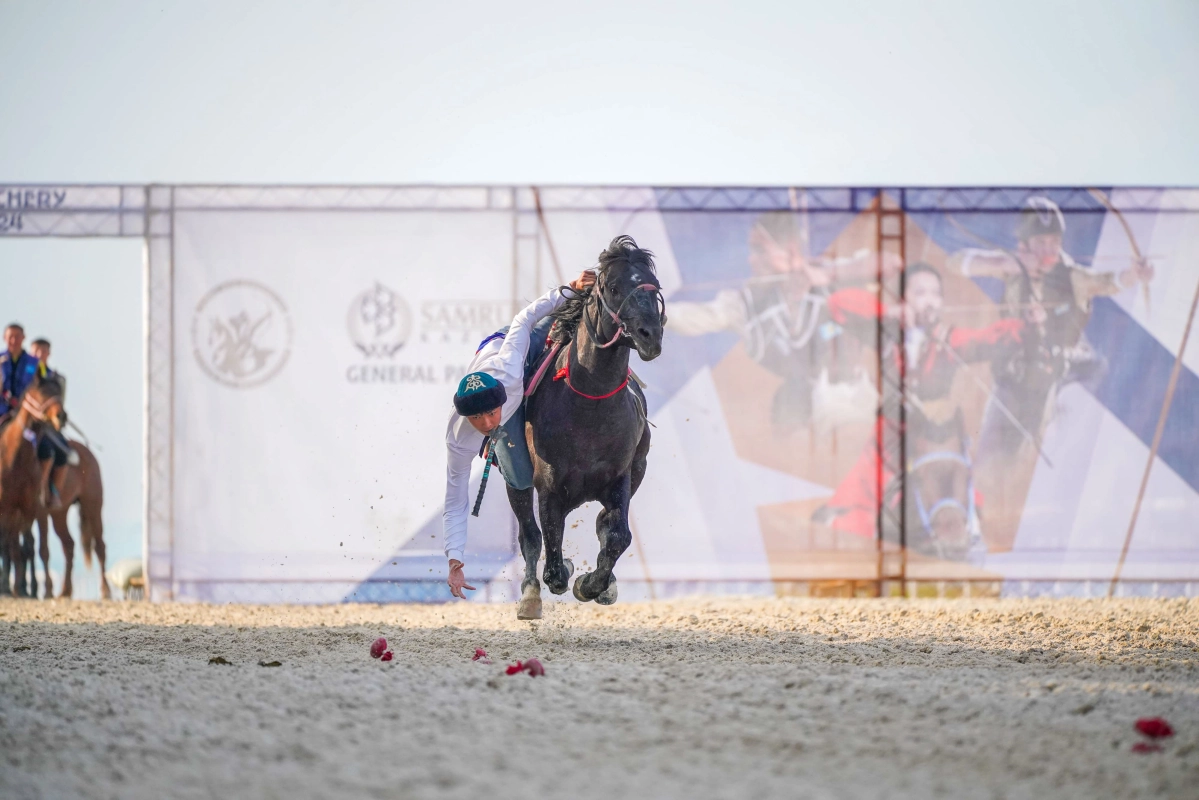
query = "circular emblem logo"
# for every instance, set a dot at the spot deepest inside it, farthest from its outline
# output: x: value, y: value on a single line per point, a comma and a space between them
x: 379, y: 322
x: 241, y: 334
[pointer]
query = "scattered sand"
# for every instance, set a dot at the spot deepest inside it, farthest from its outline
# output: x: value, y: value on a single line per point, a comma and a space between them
x: 689, y: 699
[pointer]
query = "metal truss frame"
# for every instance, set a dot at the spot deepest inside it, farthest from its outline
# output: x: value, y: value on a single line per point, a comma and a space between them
x: 148, y: 212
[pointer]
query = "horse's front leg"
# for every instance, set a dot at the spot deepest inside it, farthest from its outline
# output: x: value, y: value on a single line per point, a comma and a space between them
x: 521, y: 501
x: 553, y: 521
x: 5, y: 564
x: 29, y: 553
x: 615, y: 536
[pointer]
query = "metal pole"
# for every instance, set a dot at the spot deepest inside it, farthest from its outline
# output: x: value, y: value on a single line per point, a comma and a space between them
x: 548, y: 240
x: 146, y: 391
x: 1157, y: 440
x: 171, y: 398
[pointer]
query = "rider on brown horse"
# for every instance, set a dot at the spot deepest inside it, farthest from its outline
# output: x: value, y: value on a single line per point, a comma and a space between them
x: 488, y: 420
x: 52, y: 445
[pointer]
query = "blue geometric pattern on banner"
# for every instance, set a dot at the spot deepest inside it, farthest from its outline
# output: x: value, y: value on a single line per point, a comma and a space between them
x: 1137, y: 359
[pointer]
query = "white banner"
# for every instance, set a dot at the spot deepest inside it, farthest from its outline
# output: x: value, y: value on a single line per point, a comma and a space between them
x: 315, y: 358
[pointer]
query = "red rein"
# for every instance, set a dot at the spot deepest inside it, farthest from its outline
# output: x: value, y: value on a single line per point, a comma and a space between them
x: 565, y: 373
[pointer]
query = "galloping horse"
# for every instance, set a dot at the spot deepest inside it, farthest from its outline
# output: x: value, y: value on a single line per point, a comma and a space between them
x: 587, y: 428
x: 21, y: 476
x: 82, y: 484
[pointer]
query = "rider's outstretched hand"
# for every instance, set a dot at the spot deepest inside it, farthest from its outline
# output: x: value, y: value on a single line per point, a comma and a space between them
x: 457, y: 579
x: 586, y: 278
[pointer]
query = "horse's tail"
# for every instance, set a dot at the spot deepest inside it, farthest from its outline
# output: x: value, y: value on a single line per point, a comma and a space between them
x: 90, y: 501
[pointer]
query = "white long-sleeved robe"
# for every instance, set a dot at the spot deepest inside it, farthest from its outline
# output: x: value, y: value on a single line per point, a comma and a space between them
x: 504, y: 360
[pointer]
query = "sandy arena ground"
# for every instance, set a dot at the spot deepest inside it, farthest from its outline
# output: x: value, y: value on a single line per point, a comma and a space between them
x: 687, y: 699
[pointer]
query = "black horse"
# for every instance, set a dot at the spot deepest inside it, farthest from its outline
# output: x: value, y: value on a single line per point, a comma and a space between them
x: 587, y: 426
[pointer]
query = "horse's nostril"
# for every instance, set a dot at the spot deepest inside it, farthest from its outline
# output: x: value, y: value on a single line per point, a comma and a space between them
x: 644, y: 333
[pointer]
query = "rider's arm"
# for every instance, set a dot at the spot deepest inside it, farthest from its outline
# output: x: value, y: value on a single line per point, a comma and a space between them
x: 982, y: 344
x: 457, y: 499
x: 1088, y: 285
x: 508, y: 365
x: 725, y: 312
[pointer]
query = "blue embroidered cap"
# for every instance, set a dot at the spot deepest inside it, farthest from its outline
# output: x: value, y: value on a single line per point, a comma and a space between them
x: 479, y: 393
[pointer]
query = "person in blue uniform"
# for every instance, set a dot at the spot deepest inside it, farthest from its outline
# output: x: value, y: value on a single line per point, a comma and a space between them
x: 17, y: 370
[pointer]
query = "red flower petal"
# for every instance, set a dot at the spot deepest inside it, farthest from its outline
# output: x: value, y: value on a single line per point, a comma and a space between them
x: 387, y: 656
x: 480, y: 653
x: 378, y: 647
x: 534, y: 668
x: 1146, y: 747
x: 1154, y: 727
x: 515, y: 668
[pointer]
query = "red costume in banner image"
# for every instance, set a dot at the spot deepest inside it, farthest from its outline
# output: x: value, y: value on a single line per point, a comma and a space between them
x: 929, y: 368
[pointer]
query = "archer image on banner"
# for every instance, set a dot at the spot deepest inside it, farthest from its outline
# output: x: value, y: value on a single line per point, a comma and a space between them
x: 1053, y: 292
x: 942, y: 518
x: 781, y: 315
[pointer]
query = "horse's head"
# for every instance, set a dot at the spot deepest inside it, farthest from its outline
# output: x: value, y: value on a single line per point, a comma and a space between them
x: 629, y: 294
x: 43, y: 402
x: 942, y: 499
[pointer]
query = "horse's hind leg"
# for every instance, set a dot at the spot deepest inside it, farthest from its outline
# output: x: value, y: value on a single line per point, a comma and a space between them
x: 639, y: 463
x: 20, y: 587
x: 59, y: 518
x: 615, y: 536
x: 93, y: 528
x: 43, y: 529
x: 521, y: 501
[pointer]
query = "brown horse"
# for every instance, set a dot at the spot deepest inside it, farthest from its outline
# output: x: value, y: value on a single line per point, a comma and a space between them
x: 81, y: 484
x: 21, y: 476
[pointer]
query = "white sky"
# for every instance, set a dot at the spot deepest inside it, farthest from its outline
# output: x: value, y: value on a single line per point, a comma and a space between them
x: 792, y: 93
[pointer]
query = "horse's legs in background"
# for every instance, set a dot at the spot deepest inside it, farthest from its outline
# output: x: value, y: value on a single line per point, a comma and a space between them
x: 553, y: 520
x: 43, y: 530
x: 521, y: 501
x: 59, y: 518
x: 29, y: 553
x: 16, y: 546
x: 6, y: 587
x: 615, y: 536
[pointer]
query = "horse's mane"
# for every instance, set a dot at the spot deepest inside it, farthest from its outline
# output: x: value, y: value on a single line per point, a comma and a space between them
x: 570, y: 314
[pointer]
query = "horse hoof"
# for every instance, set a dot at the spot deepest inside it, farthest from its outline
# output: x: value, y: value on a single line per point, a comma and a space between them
x: 575, y: 589
x: 608, y: 596
x: 560, y: 588
x: 529, y: 607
